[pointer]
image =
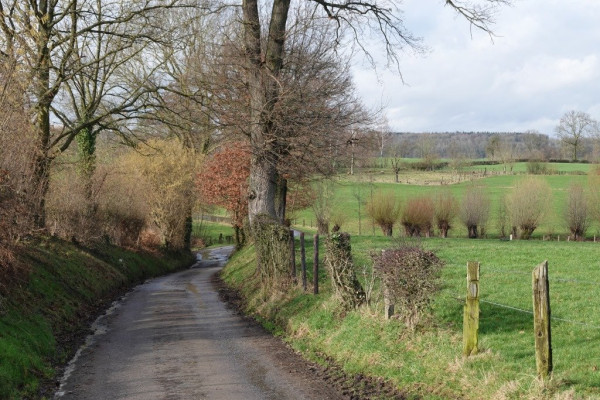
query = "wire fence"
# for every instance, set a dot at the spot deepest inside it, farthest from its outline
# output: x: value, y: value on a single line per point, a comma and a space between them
x: 530, y: 312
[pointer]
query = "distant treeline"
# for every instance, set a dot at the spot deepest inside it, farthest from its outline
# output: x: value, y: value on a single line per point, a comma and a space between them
x: 500, y: 146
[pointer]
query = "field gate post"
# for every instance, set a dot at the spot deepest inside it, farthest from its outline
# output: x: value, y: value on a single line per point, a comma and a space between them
x: 316, y: 264
x: 471, y: 310
x: 541, y: 320
x: 303, y: 260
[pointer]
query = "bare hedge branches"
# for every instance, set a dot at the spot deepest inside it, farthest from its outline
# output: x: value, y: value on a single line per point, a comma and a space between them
x: 410, y: 278
x: 341, y: 267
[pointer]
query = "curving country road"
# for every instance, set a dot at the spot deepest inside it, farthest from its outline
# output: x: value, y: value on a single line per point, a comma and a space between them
x: 173, y: 338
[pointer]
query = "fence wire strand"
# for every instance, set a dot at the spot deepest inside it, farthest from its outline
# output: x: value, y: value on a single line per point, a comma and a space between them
x: 530, y: 312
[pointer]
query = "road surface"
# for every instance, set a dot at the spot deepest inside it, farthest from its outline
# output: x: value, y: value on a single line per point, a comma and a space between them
x: 173, y: 338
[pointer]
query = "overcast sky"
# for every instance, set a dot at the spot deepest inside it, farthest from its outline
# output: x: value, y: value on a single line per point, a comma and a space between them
x: 544, y: 61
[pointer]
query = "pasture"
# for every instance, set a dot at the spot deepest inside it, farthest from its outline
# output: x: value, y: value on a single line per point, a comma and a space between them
x: 429, y: 362
x: 351, y: 193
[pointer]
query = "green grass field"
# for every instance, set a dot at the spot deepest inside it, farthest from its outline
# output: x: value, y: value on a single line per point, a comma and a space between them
x: 210, y: 232
x: 351, y: 193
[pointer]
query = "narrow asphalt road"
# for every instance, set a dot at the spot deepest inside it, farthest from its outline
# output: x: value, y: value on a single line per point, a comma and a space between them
x: 173, y: 338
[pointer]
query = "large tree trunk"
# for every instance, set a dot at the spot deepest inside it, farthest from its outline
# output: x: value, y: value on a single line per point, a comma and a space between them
x: 263, y: 88
x: 281, y: 200
x: 264, y: 212
x: 263, y: 187
x: 42, y: 126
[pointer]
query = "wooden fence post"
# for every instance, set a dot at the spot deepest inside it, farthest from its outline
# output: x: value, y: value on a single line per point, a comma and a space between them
x: 388, y: 306
x: 292, y: 255
x: 316, y: 264
x: 471, y: 310
x: 303, y: 260
x: 541, y: 320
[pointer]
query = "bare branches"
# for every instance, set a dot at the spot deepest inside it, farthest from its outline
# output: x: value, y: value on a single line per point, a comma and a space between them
x: 480, y: 16
x: 365, y: 18
x: 384, y: 19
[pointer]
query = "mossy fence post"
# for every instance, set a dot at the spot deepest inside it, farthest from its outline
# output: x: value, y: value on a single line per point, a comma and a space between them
x: 292, y: 256
x: 471, y: 310
x: 303, y: 260
x: 316, y: 264
x: 541, y: 320
x: 388, y: 305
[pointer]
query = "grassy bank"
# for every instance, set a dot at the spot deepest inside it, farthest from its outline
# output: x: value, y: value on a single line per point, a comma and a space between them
x: 428, y: 363
x: 50, y: 306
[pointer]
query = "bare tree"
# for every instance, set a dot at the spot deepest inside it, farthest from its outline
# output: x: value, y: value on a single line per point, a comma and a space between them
x: 446, y: 208
x: 536, y: 144
x: 396, y: 160
x: 574, y: 126
x: 383, y: 136
x: 323, y: 204
x: 576, y: 212
x: 57, y: 41
x: 265, y: 56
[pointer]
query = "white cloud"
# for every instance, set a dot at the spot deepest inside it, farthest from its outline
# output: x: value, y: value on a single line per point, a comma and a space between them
x: 544, y: 62
x: 544, y: 75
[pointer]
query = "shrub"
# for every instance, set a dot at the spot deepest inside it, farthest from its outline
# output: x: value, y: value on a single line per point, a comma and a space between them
x: 410, y: 276
x: 475, y: 210
x: 322, y: 204
x: 594, y: 193
x: 527, y: 204
x: 417, y: 217
x: 576, y: 212
x: 224, y: 182
x: 341, y: 268
x: 18, y: 194
x: 384, y: 209
x: 537, y: 167
x: 446, y: 208
x: 66, y: 208
x: 168, y: 172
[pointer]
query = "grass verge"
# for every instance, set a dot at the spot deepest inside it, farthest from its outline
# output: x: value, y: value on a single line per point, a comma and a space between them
x: 45, y: 314
x: 428, y: 362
